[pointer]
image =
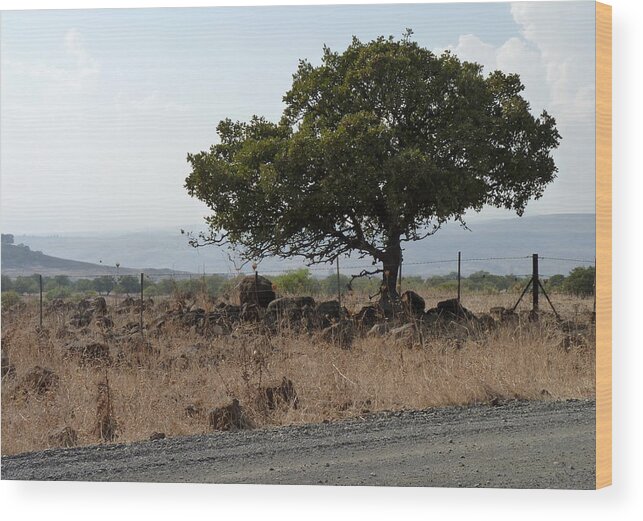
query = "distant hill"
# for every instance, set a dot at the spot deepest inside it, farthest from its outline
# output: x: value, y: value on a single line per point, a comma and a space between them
x: 18, y: 259
x: 562, y: 236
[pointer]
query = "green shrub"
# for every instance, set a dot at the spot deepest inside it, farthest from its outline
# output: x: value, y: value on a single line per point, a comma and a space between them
x: 9, y: 299
x: 297, y: 282
x: 580, y: 281
x: 59, y: 292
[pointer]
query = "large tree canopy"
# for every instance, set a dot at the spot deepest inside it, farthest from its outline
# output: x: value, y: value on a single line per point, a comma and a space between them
x: 378, y: 145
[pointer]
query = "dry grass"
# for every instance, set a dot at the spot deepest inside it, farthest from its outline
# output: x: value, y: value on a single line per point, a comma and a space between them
x: 165, y: 384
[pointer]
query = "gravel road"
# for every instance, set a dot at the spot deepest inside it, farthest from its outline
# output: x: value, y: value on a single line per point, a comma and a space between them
x: 517, y: 444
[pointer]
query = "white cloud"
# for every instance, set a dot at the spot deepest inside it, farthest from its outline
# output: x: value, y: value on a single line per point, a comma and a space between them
x: 554, y: 56
x: 568, y: 58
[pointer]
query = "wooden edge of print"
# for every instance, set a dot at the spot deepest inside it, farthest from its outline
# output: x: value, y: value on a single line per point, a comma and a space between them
x: 603, y: 245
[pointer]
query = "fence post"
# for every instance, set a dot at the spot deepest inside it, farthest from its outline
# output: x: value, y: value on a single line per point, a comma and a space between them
x: 400, y: 279
x: 141, y: 316
x: 534, y: 282
x: 40, y: 306
x: 255, y: 267
x: 339, y: 290
x: 459, y: 261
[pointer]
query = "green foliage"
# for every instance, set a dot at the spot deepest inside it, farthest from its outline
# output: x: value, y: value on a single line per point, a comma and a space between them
x: 386, y: 141
x: 297, y: 282
x: 59, y: 292
x: 128, y: 284
x: 580, y: 281
x: 26, y: 284
x: 555, y: 282
x: 104, y: 285
x: 84, y: 285
x: 329, y: 286
x: 6, y: 284
x: 9, y: 299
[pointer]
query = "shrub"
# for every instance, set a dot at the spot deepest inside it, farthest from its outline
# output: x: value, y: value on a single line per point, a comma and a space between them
x: 580, y: 281
x: 9, y: 299
x: 299, y: 282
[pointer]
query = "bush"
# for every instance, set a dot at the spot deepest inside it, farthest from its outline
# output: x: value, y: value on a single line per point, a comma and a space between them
x: 58, y: 292
x: 9, y: 299
x: 580, y: 281
x: 297, y: 282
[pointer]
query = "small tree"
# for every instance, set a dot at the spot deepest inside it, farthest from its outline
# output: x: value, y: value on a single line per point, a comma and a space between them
x: 26, y: 284
x: 580, y: 281
x: 104, y: 284
x: 299, y: 282
x: 6, y: 283
x: 378, y: 145
x: 129, y: 284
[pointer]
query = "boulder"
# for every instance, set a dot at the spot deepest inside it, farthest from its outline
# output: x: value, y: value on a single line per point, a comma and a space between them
x: 368, y: 316
x: 89, y: 352
x: 403, y: 333
x: 503, y: 315
x: 329, y: 312
x: 283, y: 394
x: 256, y: 290
x: 452, y: 309
x: 341, y: 334
x: 378, y: 330
x: 413, y: 303
x: 229, y: 418
x: 289, y: 308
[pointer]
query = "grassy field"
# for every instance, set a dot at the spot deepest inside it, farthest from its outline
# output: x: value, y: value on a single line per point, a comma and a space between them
x: 168, y: 379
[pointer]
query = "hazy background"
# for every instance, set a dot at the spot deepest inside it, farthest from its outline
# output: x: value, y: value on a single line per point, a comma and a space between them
x: 100, y: 107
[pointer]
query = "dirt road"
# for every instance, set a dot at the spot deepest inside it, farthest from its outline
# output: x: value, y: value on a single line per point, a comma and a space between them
x: 518, y: 444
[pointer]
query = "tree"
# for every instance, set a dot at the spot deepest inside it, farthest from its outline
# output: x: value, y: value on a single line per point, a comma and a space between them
x: 104, y: 284
x: 129, y: 284
x: 378, y: 145
x: 6, y: 283
x: 580, y: 281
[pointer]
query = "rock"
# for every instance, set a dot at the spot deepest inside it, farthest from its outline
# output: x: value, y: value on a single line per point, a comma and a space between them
x: 378, y: 330
x: 329, y: 312
x: 256, y: 290
x: 39, y: 380
x: 403, y: 333
x: 89, y: 352
x: 65, y: 437
x: 249, y: 313
x: 104, y: 322
x: 99, y: 305
x: 368, y: 316
x: 413, y: 303
x: 192, y: 410
x: 283, y: 394
x: 503, y: 315
x: 229, y: 418
x: 81, y: 319
x: 341, y: 334
x: 453, y: 309
x: 486, y: 322
x: 157, y: 436
x: 289, y: 309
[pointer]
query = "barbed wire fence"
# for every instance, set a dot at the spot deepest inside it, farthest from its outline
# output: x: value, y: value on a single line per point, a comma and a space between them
x: 531, y: 280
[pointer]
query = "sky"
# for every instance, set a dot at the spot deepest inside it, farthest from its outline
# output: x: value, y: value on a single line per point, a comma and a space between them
x: 99, y: 108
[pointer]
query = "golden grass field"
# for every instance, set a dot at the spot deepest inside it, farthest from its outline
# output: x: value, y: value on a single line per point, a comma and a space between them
x: 167, y: 382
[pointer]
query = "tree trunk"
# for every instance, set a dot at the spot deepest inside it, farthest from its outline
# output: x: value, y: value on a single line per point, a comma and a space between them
x: 391, y: 261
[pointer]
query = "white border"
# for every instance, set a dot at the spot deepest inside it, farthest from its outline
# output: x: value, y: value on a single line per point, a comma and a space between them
x: 119, y: 501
